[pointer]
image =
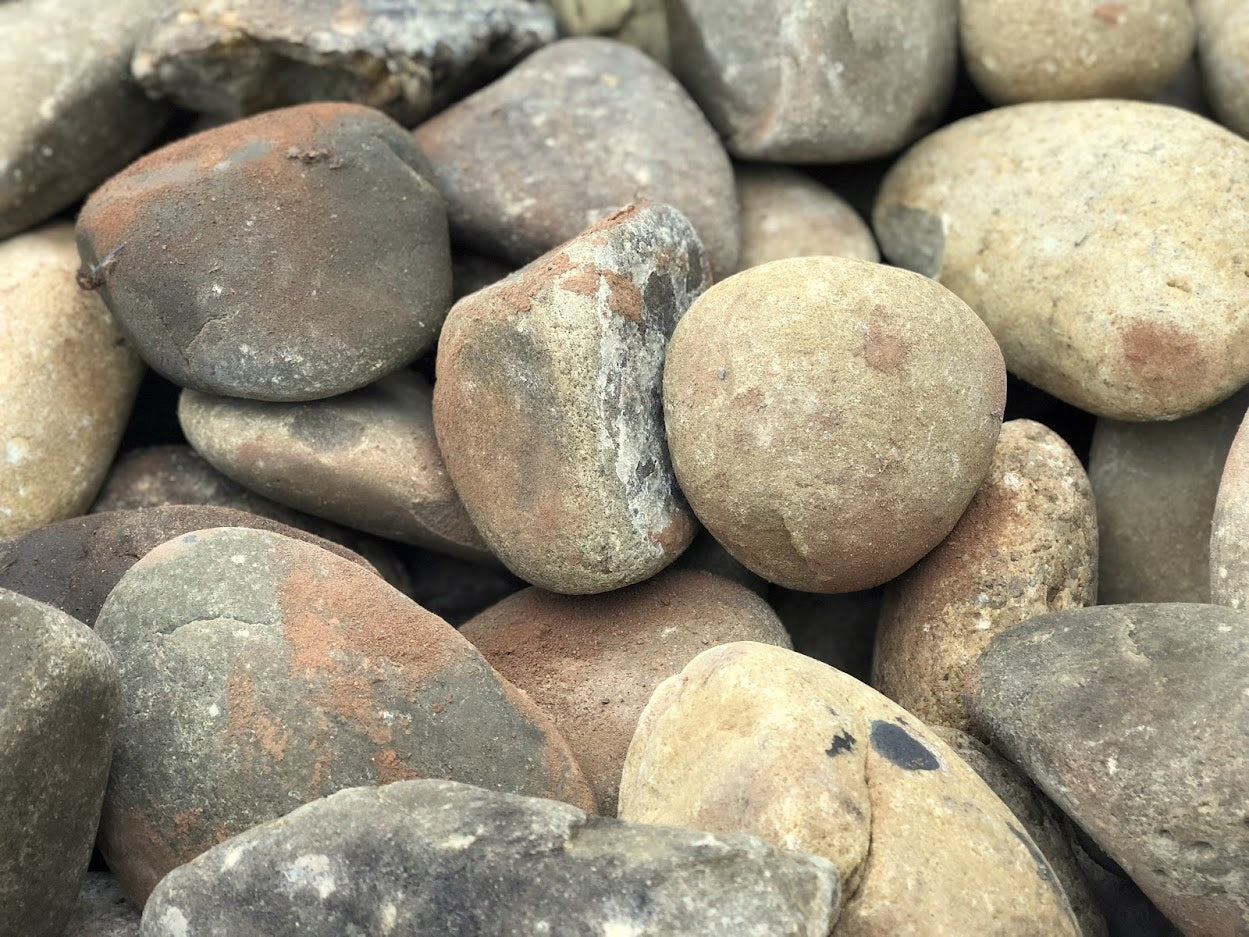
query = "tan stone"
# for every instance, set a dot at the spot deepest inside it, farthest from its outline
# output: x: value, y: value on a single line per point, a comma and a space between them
x: 1229, y: 534
x: 1223, y: 47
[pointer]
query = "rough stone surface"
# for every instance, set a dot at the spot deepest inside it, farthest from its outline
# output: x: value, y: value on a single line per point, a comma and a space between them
x: 592, y: 662
x: 816, y: 82
x: 838, y: 630
x: 1156, y: 486
x: 67, y: 382
x: 72, y: 117
x: 1019, y: 50
x: 237, y: 57
x: 829, y: 419
x: 368, y: 459
x: 1134, y: 719
x: 1229, y: 534
x: 297, y: 254
x: 102, y: 910
x: 547, y: 405
x: 261, y: 673
x: 640, y: 23
x: 786, y: 213
x: 1025, y: 546
x: 1223, y: 47
x: 578, y: 130
x: 1112, y: 275
x: 59, y: 697
x: 433, y: 857
x: 756, y: 739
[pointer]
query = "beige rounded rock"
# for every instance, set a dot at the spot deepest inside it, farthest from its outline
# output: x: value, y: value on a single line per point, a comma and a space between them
x: 756, y: 739
x: 1025, y: 546
x: 1223, y: 47
x: 68, y: 379
x: 1229, y: 535
x: 829, y: 419
x: 1020, y: 50
x: 1101, y: 241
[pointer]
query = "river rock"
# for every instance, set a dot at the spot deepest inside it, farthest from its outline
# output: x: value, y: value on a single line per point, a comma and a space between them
x: 1223, y: 47
x: 578, y: 130
x: 547, y: 404
x: 829, y: 419
x: 639, y: 23
x: 67, y: 381
x: 1134, y: 719
x: 367, y: 459
x: 1021, y: 212
x: 591, y: 662
x: 1025, y: 546
x: 760, y: 740
x: 434, y: 857
x: 59, y: 698
x: 247, y: 261
x: 1156, y: 485
x: 1021, y: 51
x: 261, y: 673
x: 237, y: 57
x: 839, y: 630
x: 814, y: 82
x: 1229, y: 534
x: 72, y: 116
x: 102, y: 910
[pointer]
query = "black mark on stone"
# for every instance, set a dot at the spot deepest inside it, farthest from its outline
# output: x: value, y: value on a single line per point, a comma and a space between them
x: 842, y: 742
x: 324, y: 429
x: 902, y: 748
x: 1044, y: 872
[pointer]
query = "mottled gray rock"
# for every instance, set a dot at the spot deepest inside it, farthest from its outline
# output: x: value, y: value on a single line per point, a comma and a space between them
x: 547, y: 404
x: 433, y: 857
x: 237, y: 57
x: 102, y: 910
x: 59, y: 697
x: 1134, y: 719
x: 1223, y: 48
x: 246, y: 260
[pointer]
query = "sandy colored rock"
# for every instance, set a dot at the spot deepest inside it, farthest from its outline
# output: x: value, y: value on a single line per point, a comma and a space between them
x: 1023, y: 212
x: 592, y: 662
x: 67, y: 382
x: 578, y: 130
x: 1016, y: 50
x: 367, y: 459
x: 1229, y: 533
x: 1156, y: 486
x: 829, y: 419
x: 639, y: 23
x: 1223, y: 48
x: 760, y: 740
x: 297, y: 254
x: 1025, y: 546
x: 547, y: 405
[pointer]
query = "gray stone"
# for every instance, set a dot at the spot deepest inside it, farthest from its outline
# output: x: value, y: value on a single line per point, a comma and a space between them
x: 59, y: 697
x: 1229, y: 528
x: 102, y: 910
x: 433, y: 857
x: 1223, y: 48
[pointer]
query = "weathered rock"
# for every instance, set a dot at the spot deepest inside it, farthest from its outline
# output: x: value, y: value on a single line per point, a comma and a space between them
x: 102, y: 910
x: 1016, y: 50
x: 1025, y: 546
x: 639, y: 23
x: 838, y: 630
x: 1022, y: 211
x: 1155, y: 487
x: 816, y: 82
x: 1134, y: 719
x: 575, y: 132
x: 829, y: 419
x: 1223, y: 47
x: 592, y: 662
x: 237, y: 57
x: 547, y: 404
x: 246, y: 260
x: 760, y: 740
x: 1229, y: 533
x: 433, y: 857
x: 58, y: 714
x: 72, y: 117
x: 786, y: 213
x: 367, y: 459
x: 67, y: 382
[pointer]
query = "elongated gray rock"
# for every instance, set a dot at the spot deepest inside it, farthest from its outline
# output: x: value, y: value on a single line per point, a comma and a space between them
x: 434, y: 857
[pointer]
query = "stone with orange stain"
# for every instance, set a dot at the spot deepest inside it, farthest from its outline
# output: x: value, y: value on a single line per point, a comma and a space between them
x: 261, y: 673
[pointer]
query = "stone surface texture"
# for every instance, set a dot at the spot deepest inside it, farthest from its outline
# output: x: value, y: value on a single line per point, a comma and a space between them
x: 1223, y: 48
x: 1229, y: 528
x: 102, y: 910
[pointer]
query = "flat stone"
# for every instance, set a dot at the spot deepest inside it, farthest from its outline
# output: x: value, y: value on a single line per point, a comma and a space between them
x: 434, y: 857
x: 1134, y: 719
x: 1025, y: 546
x: 246, y: 260
x: 760, y: 740
x: 260, y: 673
x: 1223, y: 48
x: 237, y: 57
x: 67, y: 381
x: 547, y: 405
x: 639, y: 23
x: 102, y: 910
x: 59, y: 698
x: 1229, y: 527
x: 577, y: 131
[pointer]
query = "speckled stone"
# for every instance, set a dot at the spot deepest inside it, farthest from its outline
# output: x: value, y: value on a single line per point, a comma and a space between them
x: 1229, y: 531
x: 1223, y: 48
x: 102, y: 910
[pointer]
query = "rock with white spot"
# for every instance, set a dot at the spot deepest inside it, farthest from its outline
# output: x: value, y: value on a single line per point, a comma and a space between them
x: 435, y: 857
x: 547, y: 405
x: 1229, y: 534
x: 102, y: 910
x: 1223, y: 48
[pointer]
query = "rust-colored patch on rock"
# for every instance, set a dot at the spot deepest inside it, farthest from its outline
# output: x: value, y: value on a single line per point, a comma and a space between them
x: 1112, y: 14
x: 676, y: 535
x: 389, y: 766
x: 623, y: 296
x: 141, y: 847
x: 247, y: 722
x: 884, y: 350
x: 1162, y: 353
